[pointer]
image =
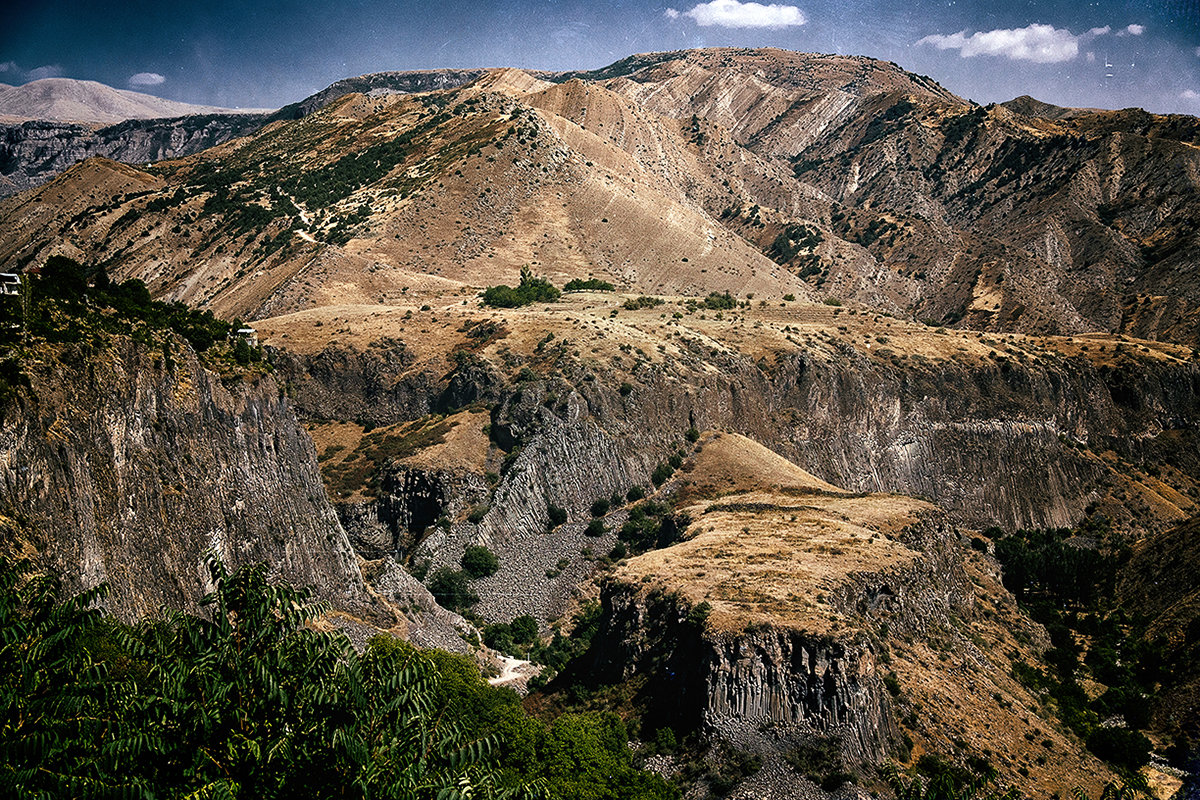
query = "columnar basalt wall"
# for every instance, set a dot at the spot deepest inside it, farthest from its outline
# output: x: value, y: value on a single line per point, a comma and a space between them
x: 995, y: 443
x: 809, y: 684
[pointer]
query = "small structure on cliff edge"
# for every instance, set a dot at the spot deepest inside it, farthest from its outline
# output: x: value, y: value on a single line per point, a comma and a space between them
x: 249, y: 334
x: 10, y: 284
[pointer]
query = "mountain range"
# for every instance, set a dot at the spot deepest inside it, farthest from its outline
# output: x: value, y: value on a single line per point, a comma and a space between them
x: 824, y: 176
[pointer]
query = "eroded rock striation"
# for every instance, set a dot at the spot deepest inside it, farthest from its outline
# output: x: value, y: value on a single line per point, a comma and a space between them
x: 130, y: 465
x: 1009, y: 440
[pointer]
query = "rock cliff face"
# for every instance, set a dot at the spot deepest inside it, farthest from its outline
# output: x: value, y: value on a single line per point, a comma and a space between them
x: 1010, y: 441
x: 410, y: 501
x: 129, y: 467
x: 32, y: 153
x: 375, y: 385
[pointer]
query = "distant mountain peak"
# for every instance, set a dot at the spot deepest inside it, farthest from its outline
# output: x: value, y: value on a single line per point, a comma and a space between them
x: 90, y: 103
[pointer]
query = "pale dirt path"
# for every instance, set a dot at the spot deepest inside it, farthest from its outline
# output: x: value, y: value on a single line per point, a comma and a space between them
x: 511, y: 671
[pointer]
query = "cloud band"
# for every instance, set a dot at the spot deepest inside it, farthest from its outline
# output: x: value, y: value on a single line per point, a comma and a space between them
x: 735, y: 14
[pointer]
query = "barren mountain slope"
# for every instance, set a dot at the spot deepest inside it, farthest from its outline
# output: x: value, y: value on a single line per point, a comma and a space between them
x: 372, y: 195
x: 865, y: 182
x: 1089, y: 216
x: 775, y: 100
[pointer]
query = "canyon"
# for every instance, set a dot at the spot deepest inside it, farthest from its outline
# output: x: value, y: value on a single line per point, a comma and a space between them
x: 855, y: 331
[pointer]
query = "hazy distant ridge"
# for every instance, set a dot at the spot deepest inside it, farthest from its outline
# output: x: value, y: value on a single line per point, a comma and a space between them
x: 69, y: 100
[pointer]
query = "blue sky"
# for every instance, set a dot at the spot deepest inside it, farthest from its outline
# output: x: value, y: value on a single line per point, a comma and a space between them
x: 267, y: 54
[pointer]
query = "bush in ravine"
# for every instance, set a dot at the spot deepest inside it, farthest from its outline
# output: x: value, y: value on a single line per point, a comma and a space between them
x: 479, y: 562
x: 662, y: 473
x: 498, y: 636
x: 557, y: 515
x: 524, y: 629
x: 451, y: 590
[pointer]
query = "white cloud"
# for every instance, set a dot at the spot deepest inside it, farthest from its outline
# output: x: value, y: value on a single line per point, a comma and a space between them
x: 1190, y: 94
x: 1133, y: 30
x: 146, y: 79
x: 1042, y: 44
x: 47, y: 71
x: 1100, y: 31
x: 734, y: 14
x: 1198, y: 52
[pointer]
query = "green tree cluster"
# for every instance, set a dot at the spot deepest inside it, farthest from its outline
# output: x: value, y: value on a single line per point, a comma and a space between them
x: 530, y: 290
x: 651, y: 525
x: 1068, y: 586
x: 248, y: 701
x: 68, y: 301
x: 513, y: 637
x: 589, y: 285
x: 451, y: 588
x: 479, y: 562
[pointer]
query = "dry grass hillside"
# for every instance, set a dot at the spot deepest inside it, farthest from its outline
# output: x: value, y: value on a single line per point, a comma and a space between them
x: 769, y: 542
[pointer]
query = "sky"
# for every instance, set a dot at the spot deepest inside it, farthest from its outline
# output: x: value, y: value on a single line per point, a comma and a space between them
x: 1091, y: 53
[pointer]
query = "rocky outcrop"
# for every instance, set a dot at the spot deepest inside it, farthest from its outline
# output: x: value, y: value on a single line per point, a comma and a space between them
x: 375, y: 386
x: 410, y: 501
x: 378, y: 83
x: 765, y: 686
x: 130, y: 464
x: 32, y: 153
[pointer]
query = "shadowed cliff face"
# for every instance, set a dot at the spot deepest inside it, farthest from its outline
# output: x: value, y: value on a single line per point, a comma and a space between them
x: 32, y: 153
x: 128, y: 469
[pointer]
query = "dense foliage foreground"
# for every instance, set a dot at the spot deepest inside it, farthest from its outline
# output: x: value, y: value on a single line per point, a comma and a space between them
x: 248, y: 701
